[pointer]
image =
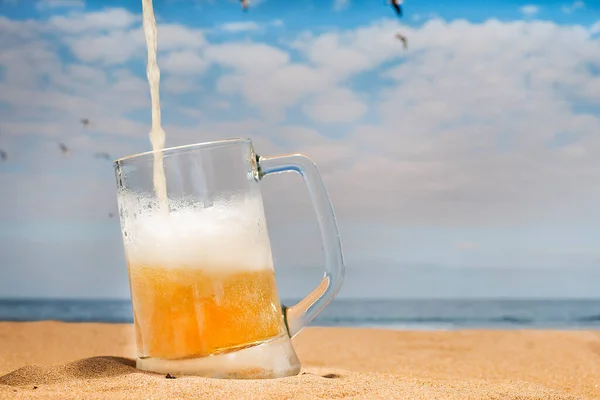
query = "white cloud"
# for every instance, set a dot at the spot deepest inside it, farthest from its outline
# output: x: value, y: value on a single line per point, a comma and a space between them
x: 240, y: 26
x: 248, y: 58
x: 17, y: 30
x: 183, y: 62
x: 116, y: 47
x: 336, y: 105
x: 529, y: 9
x: 49, y: 4
x: 460, y: 132
x: 86, y: 73
x: 178, y: 84
x: 450, y: 125
x: 269, y: 81
x: 576, y: 5
x: 264, y: 76
x: 342, y: 54
x: 179, y: 37
x: 85, y: 22
x: 275, y: 90
x: 115, y: 36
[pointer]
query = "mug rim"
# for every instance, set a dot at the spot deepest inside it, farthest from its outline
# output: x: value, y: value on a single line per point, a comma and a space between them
x: 168, y: 150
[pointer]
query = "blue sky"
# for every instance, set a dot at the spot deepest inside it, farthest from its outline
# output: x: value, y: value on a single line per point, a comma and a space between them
x: 471, y: 154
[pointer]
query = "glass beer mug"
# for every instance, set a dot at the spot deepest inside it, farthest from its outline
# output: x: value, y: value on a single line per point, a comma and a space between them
x: 200, y: 267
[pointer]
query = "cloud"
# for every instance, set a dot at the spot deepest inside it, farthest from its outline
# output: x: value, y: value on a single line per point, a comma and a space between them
x: 248, y: 58
x: 85, y: 22
x: 465, y: 135
x: 576, y: 5
x: 466, y: 131
x: 264, y: 76
x: 451, y: 131
x: 529, y: 9
x: 179, y: 84
x: 50, y: 4
x: 272, y: 83
x: 112, y: 48
x: 114, y: 36
x: 272, y: 93
x: 336, y: 105
x: 183, y: 62
x: 342, y: 54
x: 179, y: 37
x: 240, y: 26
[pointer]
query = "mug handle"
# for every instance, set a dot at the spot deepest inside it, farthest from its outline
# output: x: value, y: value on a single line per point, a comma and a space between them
x: 301, y: 314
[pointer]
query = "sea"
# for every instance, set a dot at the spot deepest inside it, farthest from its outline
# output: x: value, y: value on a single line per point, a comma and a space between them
x: 449, y: 314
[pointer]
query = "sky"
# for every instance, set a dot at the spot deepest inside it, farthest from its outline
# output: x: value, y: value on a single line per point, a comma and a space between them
x: 463, y: 166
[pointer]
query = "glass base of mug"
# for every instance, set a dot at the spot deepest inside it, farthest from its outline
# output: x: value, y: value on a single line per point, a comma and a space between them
x: 275, y: 358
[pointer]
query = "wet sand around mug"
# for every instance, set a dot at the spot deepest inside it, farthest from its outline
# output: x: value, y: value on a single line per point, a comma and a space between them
x: 68, y: 361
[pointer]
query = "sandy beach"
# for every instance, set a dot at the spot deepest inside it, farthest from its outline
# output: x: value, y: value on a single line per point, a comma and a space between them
x: 64, y: 361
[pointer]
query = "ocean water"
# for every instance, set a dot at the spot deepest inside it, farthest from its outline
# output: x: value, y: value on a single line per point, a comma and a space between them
x: 393, y: 314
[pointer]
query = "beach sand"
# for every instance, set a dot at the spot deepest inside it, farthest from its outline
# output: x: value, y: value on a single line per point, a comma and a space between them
x: 40, y: 360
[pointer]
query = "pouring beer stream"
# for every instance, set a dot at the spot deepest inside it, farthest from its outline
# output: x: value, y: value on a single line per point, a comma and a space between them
x: 157, y: 134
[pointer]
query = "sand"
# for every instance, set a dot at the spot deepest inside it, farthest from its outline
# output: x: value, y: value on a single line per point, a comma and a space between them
x: 74, y: 361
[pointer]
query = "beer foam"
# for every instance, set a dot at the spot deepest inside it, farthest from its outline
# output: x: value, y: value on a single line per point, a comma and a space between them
x: 230, y: 236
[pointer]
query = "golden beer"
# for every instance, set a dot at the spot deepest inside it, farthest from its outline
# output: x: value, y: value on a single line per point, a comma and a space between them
x: 200, y: 264
x: 196, y: 312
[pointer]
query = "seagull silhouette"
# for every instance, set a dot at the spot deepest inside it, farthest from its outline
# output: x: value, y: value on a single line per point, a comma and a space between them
x: 397, y: 4
x: 85, y: 122
x: 63, y: 147
x: 402, y: 39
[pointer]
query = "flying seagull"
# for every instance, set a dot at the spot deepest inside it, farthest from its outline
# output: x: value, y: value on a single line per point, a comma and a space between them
x: 402, y: 39
x: 63, y: 147
x: 397, y: 4
x: 3, y: 155
x: 85, y: 122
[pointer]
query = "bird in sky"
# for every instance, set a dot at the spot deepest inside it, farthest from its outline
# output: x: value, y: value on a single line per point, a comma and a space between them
x: 397, y: 4
x: 403, y: 39
x: 85, y: 122
x: 63, y: 147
